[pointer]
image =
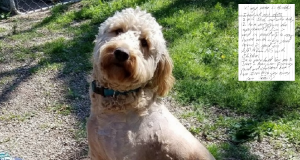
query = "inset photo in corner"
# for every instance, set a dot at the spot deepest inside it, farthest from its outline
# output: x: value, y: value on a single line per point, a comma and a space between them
x: 266, y: 42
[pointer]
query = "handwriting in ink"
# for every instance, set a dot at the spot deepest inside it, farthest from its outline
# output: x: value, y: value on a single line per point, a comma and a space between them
x: 266, y: 42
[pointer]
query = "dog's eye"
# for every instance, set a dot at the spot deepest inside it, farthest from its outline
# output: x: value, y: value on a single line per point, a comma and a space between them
x: 144, y: 42
x: 118, y: 31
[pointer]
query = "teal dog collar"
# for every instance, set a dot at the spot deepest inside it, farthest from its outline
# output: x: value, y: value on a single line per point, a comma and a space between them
x: 105, y: 92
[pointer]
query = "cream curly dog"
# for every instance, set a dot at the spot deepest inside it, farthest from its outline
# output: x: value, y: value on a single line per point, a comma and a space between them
x: 131, y: 69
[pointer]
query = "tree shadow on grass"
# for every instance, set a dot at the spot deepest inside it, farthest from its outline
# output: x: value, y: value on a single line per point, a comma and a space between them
x: 224, y: 151
x: 20, y: 75
x: 273, y: 105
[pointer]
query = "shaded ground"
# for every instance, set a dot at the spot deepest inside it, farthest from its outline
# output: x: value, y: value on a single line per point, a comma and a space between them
x: 40, y: 115
x: 31, y: 126
x: 43, y: 112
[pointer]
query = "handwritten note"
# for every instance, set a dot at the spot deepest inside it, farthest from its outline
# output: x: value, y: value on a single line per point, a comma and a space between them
x: 266, y: 42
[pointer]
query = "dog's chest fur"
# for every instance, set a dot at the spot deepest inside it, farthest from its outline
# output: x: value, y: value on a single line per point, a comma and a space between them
x: 132, y: 136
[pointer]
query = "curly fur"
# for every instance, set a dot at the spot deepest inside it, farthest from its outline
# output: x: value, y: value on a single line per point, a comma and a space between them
x: 136, y: 125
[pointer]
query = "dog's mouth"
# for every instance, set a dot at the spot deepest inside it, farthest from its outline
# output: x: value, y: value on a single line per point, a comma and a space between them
x: 118, y: 64
x: 122, y: 66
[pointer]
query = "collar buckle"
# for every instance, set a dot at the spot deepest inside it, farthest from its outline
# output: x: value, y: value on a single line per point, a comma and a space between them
x: 96, y: 89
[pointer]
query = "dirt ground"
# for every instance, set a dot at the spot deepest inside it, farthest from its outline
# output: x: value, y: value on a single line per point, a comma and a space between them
x: 32, y: 127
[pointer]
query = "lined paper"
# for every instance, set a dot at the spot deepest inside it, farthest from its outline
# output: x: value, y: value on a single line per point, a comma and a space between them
x: 266, y: 42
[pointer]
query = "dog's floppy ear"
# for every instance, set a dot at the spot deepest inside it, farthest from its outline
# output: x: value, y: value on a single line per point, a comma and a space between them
x: 163, y: 79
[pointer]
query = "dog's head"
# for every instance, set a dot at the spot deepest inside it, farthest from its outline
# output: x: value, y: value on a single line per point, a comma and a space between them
x: 131, y: 52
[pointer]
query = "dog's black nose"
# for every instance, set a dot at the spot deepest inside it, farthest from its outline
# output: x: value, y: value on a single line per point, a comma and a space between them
x: 121, y: 54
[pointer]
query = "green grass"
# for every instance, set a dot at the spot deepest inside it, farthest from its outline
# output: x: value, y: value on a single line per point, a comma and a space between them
x: 202, y: 39
x: 63, y: 109
x: 2, y: 29
x: 205, y: 58
x: 15, y: 117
